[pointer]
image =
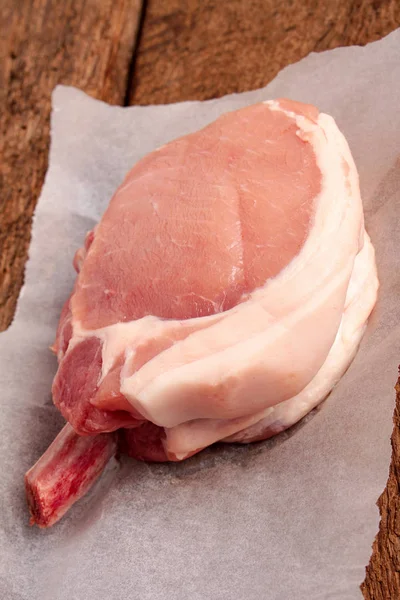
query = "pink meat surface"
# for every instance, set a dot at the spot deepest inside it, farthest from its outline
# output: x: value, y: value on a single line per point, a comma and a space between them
x: 189, y: 232
x: 225, y: 290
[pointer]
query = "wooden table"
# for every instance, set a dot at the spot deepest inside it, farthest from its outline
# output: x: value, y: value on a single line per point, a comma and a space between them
x: 158, y: 51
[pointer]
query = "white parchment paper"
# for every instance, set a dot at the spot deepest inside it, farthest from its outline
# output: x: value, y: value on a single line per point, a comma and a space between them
x: 290, y: 519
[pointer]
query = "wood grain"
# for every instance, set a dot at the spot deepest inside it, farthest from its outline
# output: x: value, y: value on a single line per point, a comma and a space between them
x: 44, y: 42
x: 200, y: 49
x: 383, y: 573
x: 189, y: 49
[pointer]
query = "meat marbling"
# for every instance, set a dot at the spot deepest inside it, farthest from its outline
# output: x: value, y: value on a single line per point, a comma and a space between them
x: 224, y: 292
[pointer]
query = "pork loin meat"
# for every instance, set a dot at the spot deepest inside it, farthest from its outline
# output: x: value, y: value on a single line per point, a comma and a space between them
x: 225, y: 290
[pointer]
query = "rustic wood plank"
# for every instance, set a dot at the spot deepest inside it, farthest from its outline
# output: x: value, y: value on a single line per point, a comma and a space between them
x: 201, y: 49
x: 383, y: 573
x: 45, y: 42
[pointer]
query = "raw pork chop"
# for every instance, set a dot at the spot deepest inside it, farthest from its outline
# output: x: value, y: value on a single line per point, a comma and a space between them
x: 222, y: 295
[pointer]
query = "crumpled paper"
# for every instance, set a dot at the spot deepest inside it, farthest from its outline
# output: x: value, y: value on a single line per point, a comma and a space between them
x: 293, y: 518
